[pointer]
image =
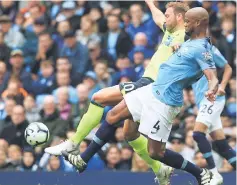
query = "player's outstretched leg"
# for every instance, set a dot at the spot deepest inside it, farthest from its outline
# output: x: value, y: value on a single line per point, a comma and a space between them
x: 157, y: 151
x: 139, y: 145
x: 102, y: 136
x: 93, y: 116
x: 205, y: 148
x: 223, y: 148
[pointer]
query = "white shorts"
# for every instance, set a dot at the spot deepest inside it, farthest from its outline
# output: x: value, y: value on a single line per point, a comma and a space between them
x: 210, y: 113
x: 155, y: 117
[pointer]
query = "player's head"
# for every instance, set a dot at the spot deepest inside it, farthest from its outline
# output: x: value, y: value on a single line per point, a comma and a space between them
x: 196, y: 21
x: 174, y: 15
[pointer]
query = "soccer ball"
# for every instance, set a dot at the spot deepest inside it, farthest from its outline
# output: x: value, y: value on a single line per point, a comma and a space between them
x: 36, y: 134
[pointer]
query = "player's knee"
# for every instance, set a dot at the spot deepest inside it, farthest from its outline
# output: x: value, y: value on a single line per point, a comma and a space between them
x: 98, y: 97
x: 197, y: 136
x: 156, y: 154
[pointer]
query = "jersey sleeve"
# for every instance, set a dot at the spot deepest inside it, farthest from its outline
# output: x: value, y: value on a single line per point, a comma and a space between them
x: 218, y: 58
x: 204, y: 58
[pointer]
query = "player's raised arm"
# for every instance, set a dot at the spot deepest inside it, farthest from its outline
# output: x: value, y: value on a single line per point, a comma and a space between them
x: 157, y: 15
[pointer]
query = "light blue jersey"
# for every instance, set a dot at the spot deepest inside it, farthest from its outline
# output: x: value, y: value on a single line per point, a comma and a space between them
x: 181, y: 70
x: 201, y: 86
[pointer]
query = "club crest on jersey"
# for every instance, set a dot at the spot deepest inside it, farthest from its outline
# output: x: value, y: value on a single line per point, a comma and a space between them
x: 168, y: 41
x: 207, y: 55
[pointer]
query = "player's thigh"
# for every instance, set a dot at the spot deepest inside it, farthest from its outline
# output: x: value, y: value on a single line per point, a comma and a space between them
x: 209, y: 113
x: 155, y: 126
x: 127, y: 87
x: 109, y: 96
x: 130, y: 130
x: 217, y: 134
x: 135, y: 101
x: 135, y: 95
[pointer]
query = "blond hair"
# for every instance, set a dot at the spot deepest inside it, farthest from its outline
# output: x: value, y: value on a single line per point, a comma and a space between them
x: 178, y: 7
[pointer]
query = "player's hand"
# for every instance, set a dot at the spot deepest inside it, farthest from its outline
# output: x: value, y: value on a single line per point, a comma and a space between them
x: 220, y: 91
x: 175, y: 47
x: 210, y: 95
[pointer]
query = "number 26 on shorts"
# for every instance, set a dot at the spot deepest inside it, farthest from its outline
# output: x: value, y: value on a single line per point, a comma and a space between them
x: 206, y: 108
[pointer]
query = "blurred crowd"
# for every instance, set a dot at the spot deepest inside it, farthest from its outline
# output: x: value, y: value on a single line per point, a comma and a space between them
x: 55, y: 54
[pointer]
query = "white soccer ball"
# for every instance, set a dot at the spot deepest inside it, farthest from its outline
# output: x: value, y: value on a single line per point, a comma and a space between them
x: 36, y: 134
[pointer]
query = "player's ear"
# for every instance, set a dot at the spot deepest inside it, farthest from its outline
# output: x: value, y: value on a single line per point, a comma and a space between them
x: 179, y: 16
x: 198, y: 22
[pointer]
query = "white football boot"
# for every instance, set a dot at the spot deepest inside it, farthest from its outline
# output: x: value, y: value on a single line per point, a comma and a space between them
x: 217, y: 179
x: 164, y: 175
x: 67, y: 146
x: 205, y: 177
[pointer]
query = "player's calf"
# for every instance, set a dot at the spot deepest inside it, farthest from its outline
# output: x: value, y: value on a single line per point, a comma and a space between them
x: 205, y: 148
x: 224, y: 149
x: 156, y: 149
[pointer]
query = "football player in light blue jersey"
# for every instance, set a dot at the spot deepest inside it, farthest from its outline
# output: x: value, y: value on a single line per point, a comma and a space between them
x: 156, y: 105
x: 208, y: 119
x: 181, y: 70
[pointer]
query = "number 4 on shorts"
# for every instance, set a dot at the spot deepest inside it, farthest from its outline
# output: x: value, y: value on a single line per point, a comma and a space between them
x: 156, y: 127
